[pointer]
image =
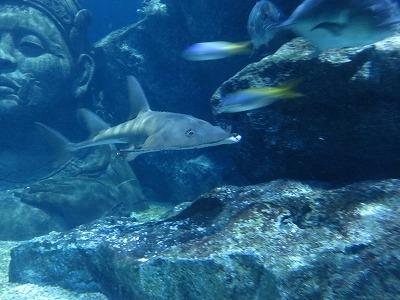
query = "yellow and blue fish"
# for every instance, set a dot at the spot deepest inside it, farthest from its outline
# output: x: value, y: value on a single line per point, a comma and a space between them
x: 216, y: 50
x: 254, y: 98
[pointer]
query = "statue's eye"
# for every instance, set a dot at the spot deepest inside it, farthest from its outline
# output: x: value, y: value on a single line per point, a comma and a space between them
x: 31, y: 45
x: 189, y: 132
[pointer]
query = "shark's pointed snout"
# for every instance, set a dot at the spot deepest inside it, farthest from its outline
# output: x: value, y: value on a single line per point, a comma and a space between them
x: 235, y: 138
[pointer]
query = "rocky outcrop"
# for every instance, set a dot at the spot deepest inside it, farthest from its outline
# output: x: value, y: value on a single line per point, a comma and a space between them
x: 280, y: 240
x: 12, y: 291
x: 21, y: 221
x: 345, y: 128
x: 175, y: 178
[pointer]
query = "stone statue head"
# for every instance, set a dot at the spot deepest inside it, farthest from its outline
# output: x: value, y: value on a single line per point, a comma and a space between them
x: 46, y: 71
x: 44, y: 62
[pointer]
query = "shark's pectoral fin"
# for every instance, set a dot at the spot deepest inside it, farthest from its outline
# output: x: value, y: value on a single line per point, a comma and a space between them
x: 332, y: 27
x: 132, y: 155
x: 151, y: 144
x: 131, y: 152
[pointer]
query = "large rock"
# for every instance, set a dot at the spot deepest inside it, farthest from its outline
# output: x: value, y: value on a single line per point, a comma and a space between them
x: 12, y: 291
x: 346, y: 127
x: 280, y: 240
x: 20, y: 221
x: 175, y: 178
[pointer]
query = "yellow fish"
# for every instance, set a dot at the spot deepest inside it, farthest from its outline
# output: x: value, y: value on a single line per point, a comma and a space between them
x: 254, y: 98
x: 215, y: 50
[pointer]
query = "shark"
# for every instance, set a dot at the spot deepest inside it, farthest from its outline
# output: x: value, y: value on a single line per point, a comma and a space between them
x: 149, y: 131
x: 329, y: 23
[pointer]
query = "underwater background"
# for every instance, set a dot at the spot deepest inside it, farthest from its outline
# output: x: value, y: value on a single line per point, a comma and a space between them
x: 299, y: 198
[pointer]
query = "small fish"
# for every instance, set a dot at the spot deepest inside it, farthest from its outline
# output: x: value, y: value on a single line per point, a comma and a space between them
x: 254, y: 98
x: 215, y: 50
x: 149, y: 131
x: 338, y: 23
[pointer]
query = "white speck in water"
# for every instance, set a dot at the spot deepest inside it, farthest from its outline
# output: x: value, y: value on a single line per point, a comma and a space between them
x: 143, y: 259
x: 372, y: 209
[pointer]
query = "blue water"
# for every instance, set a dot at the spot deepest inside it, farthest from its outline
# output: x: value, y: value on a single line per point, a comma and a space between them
x: 339, y: 126
x: 109, y: 15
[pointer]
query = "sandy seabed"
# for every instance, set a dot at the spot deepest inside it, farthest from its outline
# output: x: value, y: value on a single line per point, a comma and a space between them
x: 13, y: 291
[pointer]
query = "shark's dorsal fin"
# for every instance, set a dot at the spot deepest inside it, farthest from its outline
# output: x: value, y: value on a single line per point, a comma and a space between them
x: 137, y: 99
x: 93, y: 122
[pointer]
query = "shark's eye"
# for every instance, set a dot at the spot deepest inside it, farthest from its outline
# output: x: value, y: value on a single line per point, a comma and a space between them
x: 189, y: 132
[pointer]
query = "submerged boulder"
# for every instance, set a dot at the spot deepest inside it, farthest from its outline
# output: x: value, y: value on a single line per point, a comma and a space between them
x: 174, y: 178
x: 12, y: 291
x: 344, y: 129
x: 279, y: 240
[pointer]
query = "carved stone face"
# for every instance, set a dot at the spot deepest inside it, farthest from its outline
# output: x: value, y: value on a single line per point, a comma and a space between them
x: 36, y: 65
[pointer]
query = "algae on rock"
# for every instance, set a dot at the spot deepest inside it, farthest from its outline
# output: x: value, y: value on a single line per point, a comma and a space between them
x: 279, y: 240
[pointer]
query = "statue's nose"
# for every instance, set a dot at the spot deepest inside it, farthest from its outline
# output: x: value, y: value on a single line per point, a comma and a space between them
x: 7, y: 60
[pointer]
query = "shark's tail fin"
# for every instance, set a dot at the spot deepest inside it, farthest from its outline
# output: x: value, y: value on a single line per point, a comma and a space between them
x: 62, y: 147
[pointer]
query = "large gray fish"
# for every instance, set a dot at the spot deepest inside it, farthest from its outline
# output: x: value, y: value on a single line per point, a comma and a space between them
x: 263, y: 23
x: 149, y: 131
x: 340, y: 23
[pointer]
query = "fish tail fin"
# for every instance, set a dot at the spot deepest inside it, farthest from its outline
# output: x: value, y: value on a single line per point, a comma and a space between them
x: 92, y: 121
x: 289, y: 88
x: 62, y: 147
x: 245, y: 47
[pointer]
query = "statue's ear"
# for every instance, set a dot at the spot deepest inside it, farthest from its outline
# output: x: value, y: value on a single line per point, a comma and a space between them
x: 85, y: 71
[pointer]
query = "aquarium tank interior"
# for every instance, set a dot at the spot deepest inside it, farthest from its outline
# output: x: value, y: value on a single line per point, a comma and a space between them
x: 199, y: 149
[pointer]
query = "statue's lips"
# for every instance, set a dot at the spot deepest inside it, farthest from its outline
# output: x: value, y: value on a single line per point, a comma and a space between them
x: 8, y: 86
x: 4, y: 90
x: 9, y: 92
